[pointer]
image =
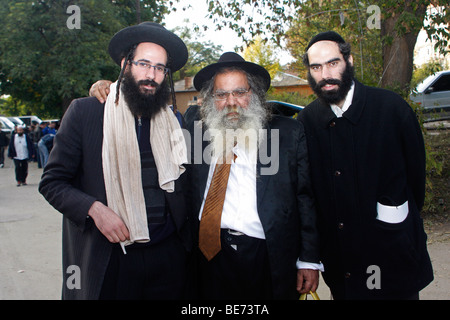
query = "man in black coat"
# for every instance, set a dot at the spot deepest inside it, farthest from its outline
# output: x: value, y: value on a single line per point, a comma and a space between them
x: 21, y: 150
x: 367, y: 159
x: 266, y: 239
x: 4, y: 142
x: 105, y: 176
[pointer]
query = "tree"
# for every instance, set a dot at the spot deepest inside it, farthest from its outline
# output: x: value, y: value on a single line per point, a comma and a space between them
x: 46, y: 61
x: 426, y: 70
x: 263, y: 54
x: 346, y: 19
x: 201, y: 53
x: 399, y: 25
x: 136, y: 11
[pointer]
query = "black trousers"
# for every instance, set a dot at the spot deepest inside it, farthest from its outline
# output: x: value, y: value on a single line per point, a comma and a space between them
x: 2, y: 155
x: 156, y: 272
x: 21, y: 170
x: 239, y: 271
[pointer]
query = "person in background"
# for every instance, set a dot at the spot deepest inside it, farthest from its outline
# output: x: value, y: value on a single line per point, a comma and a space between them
x: 35, y: 136
x: 21, y: 150
x: 193, y: 112
x: 367, y: 159
x: 51, y: 128
x: 4, y: 142
x: 45, y: 145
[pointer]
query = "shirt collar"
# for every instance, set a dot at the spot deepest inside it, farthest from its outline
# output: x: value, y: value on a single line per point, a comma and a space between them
x: 348, y: 101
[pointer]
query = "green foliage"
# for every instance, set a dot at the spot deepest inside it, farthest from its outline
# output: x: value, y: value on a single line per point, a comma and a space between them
x: 291, y: 97
x: 12, y: 107
x: 296, y: 21
x: 419, y: 74
x: 45, y: 64
x: 434, y: 160
x: 262, y: 53
x: 201, y: 53
x: 349, y: 21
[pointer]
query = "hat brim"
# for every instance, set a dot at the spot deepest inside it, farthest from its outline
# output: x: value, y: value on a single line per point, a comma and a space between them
x: 126, y: 38
x: 208, y: 72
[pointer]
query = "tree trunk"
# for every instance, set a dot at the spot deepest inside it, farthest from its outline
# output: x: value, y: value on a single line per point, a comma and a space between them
x: 138, y: 11
x: 398, y: 49
x: 65, y: 104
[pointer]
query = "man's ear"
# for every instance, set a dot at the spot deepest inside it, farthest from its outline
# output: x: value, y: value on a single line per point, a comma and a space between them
x: 122, y: 62
x: 350, y: 60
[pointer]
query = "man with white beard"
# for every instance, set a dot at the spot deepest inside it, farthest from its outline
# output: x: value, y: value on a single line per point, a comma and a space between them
x: 232, y: 123
x: 257, y: 229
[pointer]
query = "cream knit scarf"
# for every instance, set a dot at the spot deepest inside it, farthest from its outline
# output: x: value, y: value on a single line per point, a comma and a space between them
x: 122, y: 163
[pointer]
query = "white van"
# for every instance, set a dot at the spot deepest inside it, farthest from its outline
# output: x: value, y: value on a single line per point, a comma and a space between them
x: 7, y: 126
x: 433, y: 93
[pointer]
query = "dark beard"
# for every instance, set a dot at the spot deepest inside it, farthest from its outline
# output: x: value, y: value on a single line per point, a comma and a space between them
x: 145, y: 105
x: 334, y: 96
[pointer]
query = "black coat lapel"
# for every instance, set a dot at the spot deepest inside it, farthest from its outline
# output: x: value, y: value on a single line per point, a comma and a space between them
x: 263, y: 179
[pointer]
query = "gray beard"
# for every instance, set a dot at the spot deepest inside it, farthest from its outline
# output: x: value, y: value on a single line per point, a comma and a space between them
x: 246, y: 131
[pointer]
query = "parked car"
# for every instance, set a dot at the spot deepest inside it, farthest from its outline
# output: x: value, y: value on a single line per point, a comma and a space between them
x: 29, y: 119
x: 284, y: 108
x: 434, y: 92
x: 7, y: 126
x: 16, y: 121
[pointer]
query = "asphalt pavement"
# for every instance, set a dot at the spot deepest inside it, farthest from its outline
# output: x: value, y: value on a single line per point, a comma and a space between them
x: 30, y: 245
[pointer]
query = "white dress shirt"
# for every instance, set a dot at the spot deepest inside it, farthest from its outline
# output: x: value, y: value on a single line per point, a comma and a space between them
x: 347, y: 103
x: 240, y: 211
x: 20, y: 144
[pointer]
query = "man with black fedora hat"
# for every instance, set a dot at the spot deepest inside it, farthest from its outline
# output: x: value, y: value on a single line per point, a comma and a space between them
x: 116, y: 173
x: 367, y: 161
x: 251, y: 190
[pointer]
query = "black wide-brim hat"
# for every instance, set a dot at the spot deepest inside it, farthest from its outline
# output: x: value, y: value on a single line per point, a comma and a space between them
x: 153, y: 32
x: 231, y: 59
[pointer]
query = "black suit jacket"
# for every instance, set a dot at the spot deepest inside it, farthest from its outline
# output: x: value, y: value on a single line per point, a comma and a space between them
x: 373, y: 154
x: 284, y: 201
x: 73, y: 180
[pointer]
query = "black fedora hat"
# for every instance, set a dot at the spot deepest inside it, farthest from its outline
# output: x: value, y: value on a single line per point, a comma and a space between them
x: 153, y: 32
x: 230, y: 59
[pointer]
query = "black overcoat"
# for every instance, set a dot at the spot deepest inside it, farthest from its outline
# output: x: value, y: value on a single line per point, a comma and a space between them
x: 373, y: 154
x: 72, y: 181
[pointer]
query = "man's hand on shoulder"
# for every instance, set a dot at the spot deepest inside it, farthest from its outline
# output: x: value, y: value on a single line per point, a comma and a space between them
x: 100, y: 90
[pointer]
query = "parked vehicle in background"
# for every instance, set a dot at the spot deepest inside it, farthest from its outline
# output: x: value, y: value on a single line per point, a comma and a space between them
x: 284, y: 108
x: 29, y: 119
x: 17, y: 121
x: 433, y: 93
x: 7, y: 126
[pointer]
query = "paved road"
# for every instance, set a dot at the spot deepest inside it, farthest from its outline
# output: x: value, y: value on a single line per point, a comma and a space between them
x: 30, y: 245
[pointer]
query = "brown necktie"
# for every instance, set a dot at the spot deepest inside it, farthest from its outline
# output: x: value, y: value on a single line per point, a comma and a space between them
x: 209, y: 237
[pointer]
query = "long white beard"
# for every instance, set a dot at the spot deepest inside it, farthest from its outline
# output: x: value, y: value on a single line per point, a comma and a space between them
x: 245, y: 131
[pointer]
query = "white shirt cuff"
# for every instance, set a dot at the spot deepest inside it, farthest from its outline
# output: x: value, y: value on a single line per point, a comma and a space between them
x: 310, y: 265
